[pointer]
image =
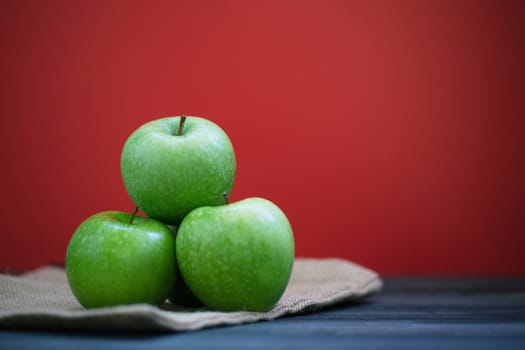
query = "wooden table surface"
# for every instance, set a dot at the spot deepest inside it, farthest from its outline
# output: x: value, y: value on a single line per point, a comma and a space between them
x: 410, y: 313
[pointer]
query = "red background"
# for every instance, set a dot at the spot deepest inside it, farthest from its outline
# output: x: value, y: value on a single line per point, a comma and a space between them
x: 390, y: 132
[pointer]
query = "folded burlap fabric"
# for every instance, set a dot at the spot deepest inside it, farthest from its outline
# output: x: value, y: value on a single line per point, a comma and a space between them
x: 42, y: 299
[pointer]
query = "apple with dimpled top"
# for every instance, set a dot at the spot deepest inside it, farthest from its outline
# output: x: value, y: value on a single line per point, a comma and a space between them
x: 115, y: 258
x: 236, y: 256
x: 173, y: 165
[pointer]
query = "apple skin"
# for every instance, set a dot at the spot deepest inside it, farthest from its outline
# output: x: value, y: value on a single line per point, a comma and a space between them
x: 167, y: 175
x: 181, y: 294
x: 112, y: 262
x: 237, y: 256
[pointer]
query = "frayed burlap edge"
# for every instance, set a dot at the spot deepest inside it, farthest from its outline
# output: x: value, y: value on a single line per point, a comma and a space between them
x: 30, y: 302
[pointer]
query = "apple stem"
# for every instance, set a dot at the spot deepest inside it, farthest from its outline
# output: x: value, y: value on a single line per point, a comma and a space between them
x: 226, y: 199
x: 181, y: 124
x: 133, y: 215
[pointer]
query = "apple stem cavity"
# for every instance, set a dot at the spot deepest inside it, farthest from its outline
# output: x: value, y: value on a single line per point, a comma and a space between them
x: 133, y: 215
x: 226, y: 199
x: 181, y: 124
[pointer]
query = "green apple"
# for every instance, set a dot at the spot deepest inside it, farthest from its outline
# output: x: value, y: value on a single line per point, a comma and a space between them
x: 173, y: 165
x: 115, y: 258
x: 236, y: 256
x: 181, y: 294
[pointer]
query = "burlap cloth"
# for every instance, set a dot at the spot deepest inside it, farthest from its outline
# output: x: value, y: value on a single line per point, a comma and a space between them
x: 42, y: 299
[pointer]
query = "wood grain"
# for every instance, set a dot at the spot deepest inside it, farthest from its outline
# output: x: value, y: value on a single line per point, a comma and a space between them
x: 410, y: 313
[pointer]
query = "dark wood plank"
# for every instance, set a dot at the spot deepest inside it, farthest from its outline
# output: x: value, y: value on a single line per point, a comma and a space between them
x: 409, y: 313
